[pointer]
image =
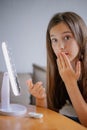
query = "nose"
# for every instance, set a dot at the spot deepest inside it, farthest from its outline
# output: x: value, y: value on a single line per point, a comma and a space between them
x: 61, y: 45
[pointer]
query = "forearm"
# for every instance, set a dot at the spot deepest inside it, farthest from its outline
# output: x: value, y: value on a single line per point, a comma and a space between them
x: 41, y: 102
x: 78, y: 102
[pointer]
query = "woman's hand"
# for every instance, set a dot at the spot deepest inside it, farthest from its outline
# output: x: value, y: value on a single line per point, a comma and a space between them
x: 37, y: 90
x: 67, y: 73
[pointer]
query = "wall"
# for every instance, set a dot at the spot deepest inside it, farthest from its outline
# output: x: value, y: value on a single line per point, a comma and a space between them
x: 23, y: 26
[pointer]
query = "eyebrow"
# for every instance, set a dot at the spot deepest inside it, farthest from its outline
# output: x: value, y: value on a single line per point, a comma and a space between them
x: 62, y: 33
x: 67, y: 32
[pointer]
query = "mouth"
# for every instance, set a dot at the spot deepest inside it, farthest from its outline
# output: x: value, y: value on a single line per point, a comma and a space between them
x: 66, y: 53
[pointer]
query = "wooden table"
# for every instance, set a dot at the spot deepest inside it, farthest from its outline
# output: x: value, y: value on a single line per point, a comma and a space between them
x: 50, y: 121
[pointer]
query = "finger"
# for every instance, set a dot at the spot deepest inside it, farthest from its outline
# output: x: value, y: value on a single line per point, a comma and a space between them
x: 39, y: 83
x: 29, y: 83
x: 66, y: 60
x: 41, y: 89
x: 36, y: 91
x: 37, y: 87
x: 63, y: 60
x: 78, y: 69
x: 59, y: 62
x: 42, y: 93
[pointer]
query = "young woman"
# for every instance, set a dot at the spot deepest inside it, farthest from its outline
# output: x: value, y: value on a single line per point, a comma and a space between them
x: 66, y: 42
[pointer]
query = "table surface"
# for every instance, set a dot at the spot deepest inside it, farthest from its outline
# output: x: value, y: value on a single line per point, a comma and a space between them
x: 50, y: 121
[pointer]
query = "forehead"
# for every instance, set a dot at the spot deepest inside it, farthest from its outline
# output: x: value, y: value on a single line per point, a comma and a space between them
x: 59, y: 29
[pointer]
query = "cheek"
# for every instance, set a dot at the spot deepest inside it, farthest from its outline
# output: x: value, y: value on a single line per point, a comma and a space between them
x: 74, y: 49
x: 55, y: 50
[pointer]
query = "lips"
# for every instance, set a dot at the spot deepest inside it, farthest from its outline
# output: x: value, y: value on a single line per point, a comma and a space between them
x: 66, y: 53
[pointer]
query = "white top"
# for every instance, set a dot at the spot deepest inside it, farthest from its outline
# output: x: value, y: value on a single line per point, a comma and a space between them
x: 68, y: 110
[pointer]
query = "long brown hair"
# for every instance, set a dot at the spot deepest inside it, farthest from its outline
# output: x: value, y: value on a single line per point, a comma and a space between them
x: 56, y: 91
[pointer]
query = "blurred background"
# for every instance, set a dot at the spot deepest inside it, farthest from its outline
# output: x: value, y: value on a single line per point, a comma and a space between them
x: 23, y: 25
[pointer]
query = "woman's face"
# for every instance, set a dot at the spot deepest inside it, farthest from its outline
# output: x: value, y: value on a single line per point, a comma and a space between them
x: 62, y: 40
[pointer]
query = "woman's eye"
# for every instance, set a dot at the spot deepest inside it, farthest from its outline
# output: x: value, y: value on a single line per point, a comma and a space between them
x: 54, y: 40
x: 67, y: 37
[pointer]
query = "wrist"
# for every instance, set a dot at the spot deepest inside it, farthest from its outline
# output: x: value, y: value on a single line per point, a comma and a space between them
x: 71, y: 83
x: 42, y: 102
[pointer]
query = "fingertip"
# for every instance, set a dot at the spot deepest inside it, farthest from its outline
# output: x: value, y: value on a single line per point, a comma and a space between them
x: 40, y: 83
x: 29, y: 81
